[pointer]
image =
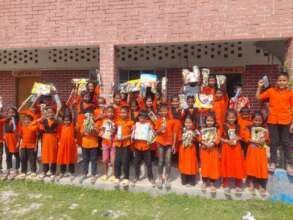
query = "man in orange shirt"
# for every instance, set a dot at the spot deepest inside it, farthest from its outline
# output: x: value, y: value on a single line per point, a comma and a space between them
x: 122, y: 141
x: 279, y: 119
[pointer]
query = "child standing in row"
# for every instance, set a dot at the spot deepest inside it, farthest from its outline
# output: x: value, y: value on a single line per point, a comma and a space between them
x: 256, y: 136
x: 209, y: 151
x: 166, y: 140
x: 232, y: 159
x: 142, y: 151
x: 187, y: 163
x: 122, y: 144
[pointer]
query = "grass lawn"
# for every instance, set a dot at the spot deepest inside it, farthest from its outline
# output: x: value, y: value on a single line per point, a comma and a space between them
x: 34, y: 200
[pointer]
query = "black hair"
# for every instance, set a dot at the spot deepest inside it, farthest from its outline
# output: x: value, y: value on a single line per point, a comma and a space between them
x: 190, y: 97
x: 210, y: 114
x: 28, y: 116
x: 244, y: 110
x: 283, y: 74
x: 174, y: 97
x: 258, y: 113
x: 212, y: 76
x: 143, y: 114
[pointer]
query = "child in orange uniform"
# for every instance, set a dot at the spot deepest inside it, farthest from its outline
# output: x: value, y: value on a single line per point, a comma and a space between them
x: 49, y: 127
x: 175, y: 114
x: 142, y: 149
x: 122, y: 143
x: 134, y: 110
x: 187, y: 163
x: 244, y: 120
x: 107, y: 131
x: 232, y: 159
x: 191, y: 111
x: 280, y: 120
x: 11, y: 129
x: 89, y: 145
x: 28, y: 145
x: 256, y: 159
x: 166, y: 140
x: 67, y: 148
x: 210, y: 136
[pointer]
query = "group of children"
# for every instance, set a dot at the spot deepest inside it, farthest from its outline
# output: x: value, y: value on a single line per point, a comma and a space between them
x: 137, y: 129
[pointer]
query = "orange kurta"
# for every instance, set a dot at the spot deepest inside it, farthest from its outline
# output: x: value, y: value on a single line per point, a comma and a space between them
x: 67, y: 149
x: 177, y: 123
x: 11, y: 137
x: 256, y: 159
x: 187, y: 163
x: 49, y: 141
x: 89, y: 140
x: 210, y: 160
x: 2, y: 122
x: 232, y: 160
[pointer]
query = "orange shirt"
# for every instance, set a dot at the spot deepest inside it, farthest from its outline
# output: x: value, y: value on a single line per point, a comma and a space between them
x: 126, y: 129
x: 89, y: 140
x: 141, y: 145
x: 98, y: 112
x: 28, y: 135
x: 166, y: 137
x: 280, y: 104
x: 243, y: 124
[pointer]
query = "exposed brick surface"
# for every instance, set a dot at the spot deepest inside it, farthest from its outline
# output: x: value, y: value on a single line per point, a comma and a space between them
x: 46, y: 23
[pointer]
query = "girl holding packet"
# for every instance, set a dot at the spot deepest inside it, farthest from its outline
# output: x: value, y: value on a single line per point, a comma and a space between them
x: 187, y: 163
x: 232, y: 159
x: 107, y: 132
x: 256, y: 162
x: 209, y: 138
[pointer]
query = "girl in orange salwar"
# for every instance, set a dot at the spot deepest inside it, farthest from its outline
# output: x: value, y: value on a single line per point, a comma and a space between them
x: 67, y: 148
x: 209, y: 152
x: 187, y: 163
x: 232, y: 159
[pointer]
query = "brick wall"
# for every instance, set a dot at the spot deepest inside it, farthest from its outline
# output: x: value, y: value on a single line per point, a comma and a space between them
x: 252, y: 75
x: 51, y: 23
x: 7, y: 88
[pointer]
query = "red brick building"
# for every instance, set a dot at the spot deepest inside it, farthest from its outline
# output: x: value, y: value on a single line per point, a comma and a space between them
x: 56, y: 40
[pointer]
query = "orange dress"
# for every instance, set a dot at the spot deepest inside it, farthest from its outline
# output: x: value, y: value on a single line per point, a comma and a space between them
x: 2, y: 122
x: 67, y: 149
x: 10, y: 136
x: 232, y: 159
x: 210, y: 160
x: 256, y: 159
x: 187, y: 163
x: 49, y: 141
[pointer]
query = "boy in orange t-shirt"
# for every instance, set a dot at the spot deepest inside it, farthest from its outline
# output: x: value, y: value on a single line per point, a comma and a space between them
x: 166, y: 140
x: 279, y: 118
x: 122, y: 141
x: 142, y: 149
x: 28, y: 145
x: 89, y: 145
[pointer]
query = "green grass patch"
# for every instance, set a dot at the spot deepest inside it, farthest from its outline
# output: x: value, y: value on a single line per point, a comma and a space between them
x: 35, y: 200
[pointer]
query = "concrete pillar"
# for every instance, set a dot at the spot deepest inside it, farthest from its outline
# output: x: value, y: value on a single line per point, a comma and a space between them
x: 108, y: 69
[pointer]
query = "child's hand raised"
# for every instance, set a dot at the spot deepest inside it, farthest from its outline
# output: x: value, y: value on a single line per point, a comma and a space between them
x: 260, y: 83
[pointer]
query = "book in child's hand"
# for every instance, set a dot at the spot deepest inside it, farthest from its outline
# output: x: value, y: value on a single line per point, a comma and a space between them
x: 232, y: 134
x: 208, y: 135
x: 265, y: 79
x: 258, y: 134
x: 141, y: 131
x: 108, y: 129
x: 187, y: 138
